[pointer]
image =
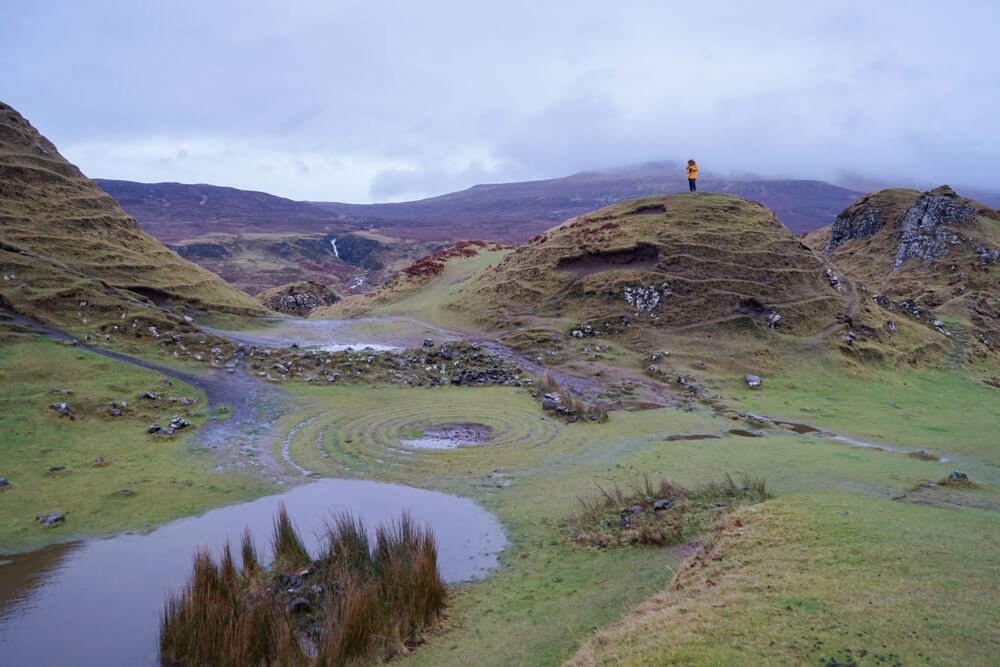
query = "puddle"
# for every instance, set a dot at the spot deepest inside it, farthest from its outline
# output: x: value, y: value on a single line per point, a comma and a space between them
x: 743, y: 433
x: 695, y: 436
x: 450, y: 436
x: 97, y: 602
x: 798, y: 428
x: 636, y: 406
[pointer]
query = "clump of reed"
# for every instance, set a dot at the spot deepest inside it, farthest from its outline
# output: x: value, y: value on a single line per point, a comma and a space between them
x: 663, y: 513
x: 363, y: 600
x: 573, y: 406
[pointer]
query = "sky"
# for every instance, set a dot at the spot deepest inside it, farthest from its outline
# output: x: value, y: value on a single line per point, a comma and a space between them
x: 393, y: 100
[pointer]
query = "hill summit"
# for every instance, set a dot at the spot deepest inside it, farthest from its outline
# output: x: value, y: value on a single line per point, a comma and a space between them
x: 66, y: 246
x: 675, y: 261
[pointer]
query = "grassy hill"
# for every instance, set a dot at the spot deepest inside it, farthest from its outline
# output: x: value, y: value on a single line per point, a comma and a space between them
x: 928, y: 257
x: 69, y: 254
x: 667, y: 262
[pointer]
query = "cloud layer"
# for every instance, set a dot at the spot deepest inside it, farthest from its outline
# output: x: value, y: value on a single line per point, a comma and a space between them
x: 391, y: 100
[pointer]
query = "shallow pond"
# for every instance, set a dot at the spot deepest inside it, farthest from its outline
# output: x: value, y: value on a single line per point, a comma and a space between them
x: 97, y: 602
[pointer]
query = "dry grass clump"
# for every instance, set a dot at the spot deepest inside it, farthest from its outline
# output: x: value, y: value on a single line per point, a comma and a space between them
x: 362, y: 601
x: 571, y: 406
x: 661, y: 514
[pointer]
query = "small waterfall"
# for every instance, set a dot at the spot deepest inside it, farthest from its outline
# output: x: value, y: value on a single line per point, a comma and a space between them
x: 333, y: 242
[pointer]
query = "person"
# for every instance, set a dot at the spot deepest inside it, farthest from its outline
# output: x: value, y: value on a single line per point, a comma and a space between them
x: 692, y: 172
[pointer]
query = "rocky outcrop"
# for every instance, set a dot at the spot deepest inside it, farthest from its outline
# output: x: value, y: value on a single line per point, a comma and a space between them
x: 298, y: 298
x: 925, y: 232
x: 852, y: 225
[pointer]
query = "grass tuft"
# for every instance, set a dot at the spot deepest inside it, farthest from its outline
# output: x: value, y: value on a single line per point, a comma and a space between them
x: 661, y: 514
x: 358, y: 603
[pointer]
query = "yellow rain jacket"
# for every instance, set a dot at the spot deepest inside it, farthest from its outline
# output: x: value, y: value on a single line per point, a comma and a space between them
x: 692, y: 170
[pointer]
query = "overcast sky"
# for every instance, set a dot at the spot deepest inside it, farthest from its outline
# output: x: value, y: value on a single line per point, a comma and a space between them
x: 389, y: 100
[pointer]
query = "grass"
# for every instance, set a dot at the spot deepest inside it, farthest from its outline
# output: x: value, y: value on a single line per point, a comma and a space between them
x: 824, y: 580
x: 165, y: 479
x: 359, y: 602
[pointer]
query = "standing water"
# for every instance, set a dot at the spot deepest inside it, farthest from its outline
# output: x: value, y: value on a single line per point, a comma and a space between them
x: 98, y: 602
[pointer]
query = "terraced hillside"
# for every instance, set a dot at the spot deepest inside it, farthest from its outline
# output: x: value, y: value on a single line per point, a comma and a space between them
x: 70, y: 255
x: 678, y: 261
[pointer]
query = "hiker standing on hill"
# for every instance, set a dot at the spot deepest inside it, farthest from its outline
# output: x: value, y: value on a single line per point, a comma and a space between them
x: 692, y: 172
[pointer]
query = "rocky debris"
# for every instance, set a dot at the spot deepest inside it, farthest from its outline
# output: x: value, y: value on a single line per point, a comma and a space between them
x: 753, y: 381
x: 756, y: 419
x: 4, y: 483
x: 925, y: 232
x: 428, y: 342
x: 773, y: 320
x: 663, y: 504
x: 50, y: 519
x: 62, y: 408
x: 298, y: 298
x: 176, y: 424
x: 849, y: 337
x: 124, y: 492
x: 955, y: 474
x: 56, y: 468
x: 67, y: 392
x: 833, y: 280
x: 150, y: 395
x: 646, y: 299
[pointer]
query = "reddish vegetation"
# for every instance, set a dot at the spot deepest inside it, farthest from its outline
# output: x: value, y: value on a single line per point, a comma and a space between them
x: 432, y: 265
x: 597, y: 230
x: 987, y: 212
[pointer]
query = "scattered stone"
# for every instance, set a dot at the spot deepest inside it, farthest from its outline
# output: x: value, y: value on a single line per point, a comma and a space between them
x: 56, y: 468
x: 50, y: 519
x: 753, y: 381
x: 428, y: 342
x: 4, y: 483
x: 955, y: 474
x: 154, y: 428
x: 125, y: 492
x: 62, y: 409
x: 661, y: 505
x: 177, y: 423
x: 150, y: 395
x: 773, y: 320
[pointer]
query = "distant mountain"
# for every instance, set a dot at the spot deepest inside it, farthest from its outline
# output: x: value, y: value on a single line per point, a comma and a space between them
x: 515, y: 212
x: 511, y: 212
x: 175, y: 212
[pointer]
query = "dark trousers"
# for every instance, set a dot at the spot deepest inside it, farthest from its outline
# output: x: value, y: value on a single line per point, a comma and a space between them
x: 691, y: 184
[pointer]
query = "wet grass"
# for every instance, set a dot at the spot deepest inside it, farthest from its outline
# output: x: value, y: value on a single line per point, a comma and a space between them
x: 363, y: 600
x: 102, y: 454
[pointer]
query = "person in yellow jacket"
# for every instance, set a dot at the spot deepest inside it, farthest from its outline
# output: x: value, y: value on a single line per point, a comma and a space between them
x: 692, y: 172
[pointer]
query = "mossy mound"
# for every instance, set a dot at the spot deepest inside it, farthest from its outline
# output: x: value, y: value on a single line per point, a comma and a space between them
x: 677, y: 261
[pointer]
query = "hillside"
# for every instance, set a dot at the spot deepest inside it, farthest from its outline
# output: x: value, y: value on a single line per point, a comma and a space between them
x: 668, y: 262
x: 69, y: 255
x: 931, y: 256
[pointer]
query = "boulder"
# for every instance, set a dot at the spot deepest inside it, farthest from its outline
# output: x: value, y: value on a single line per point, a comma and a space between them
x: 753, y: 381
x: 62, y: 409
x: 955, y: 474
x: 299, y: 298
x: 50, y: 519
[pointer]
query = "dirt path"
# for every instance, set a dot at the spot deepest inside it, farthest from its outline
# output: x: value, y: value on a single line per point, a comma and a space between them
x: 251, y: 405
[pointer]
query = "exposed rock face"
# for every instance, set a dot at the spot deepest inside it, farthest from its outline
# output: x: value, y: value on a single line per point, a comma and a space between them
x: 853, y: 226
x: 298, y: 298
x: 925, y: 230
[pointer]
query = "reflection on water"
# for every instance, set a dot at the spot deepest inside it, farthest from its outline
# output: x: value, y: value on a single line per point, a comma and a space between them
x: 98, y: 602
